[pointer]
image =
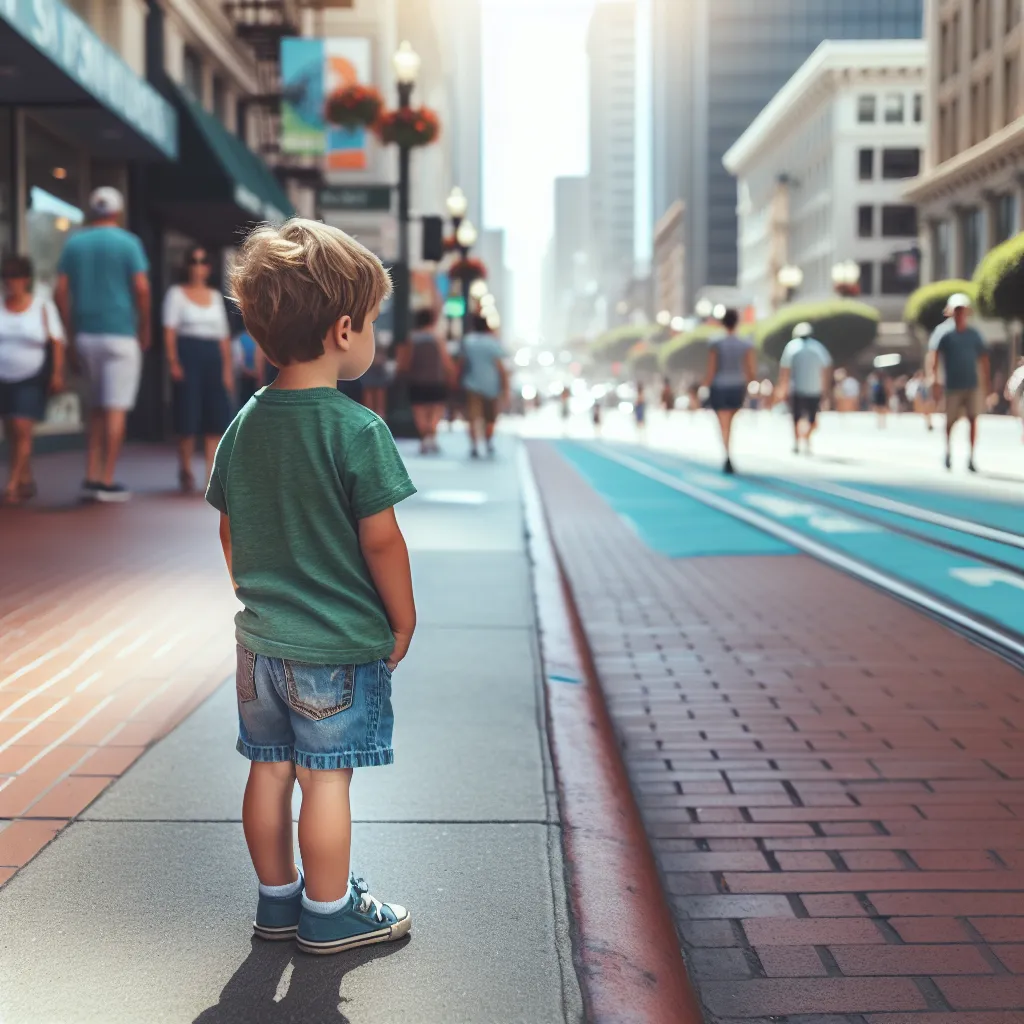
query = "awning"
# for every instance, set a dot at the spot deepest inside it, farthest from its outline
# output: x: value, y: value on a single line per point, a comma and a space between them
x: 51, y: 60
x: 219, y: 185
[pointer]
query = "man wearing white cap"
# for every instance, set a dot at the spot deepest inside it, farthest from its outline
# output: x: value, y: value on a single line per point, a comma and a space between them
x: 965, y: 363
x: 103, y: 296
x: 805, y: 375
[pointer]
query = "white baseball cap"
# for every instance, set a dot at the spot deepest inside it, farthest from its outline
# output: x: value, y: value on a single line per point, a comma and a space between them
x: 106, y: 202
x: 957, y: 301
x: 803, y: 330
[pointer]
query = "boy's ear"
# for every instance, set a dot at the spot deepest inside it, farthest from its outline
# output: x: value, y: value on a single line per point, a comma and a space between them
x: 341, y: 331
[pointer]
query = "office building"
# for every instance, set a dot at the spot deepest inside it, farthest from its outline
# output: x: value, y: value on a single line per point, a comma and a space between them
x: 716, y: 63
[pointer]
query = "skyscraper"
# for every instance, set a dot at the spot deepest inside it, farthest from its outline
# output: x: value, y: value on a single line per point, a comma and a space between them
x: 611, y: 47
x: 716, y: 64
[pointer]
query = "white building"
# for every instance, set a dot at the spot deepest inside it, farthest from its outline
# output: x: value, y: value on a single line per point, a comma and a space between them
x: 822, y: 171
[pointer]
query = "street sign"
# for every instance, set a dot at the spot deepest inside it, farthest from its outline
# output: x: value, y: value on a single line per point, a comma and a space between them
x: 454, y: 307
x: 374, y: 198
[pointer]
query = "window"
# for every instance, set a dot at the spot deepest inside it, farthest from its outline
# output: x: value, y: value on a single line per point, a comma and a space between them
x: 977, y: 17
x: 894, y: 108
x: 1011, y: 88
x: 866, y: 164
x: 1012, y: 14
x: 895, y: 277
x: 975, y: 111
x: 899, y: 221
x: 901, y: 163
x: 986, y: 109
x: 1006, y: 218
x: 972, y: 229
x: 865, y: 221
x: 192, y: 73
x: 866, y: 109
x: 943, y: 134
x: 941, y: 253
x: 867, y: 278
x: 944, y: 61
x: 220, y: 100
x: 918, y: 108
x: 954, y: 127
x: 955, y: 51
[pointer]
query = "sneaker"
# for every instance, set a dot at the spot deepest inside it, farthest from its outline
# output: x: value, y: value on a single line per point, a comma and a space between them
x: 971, y: 466
x: 277, y: 917
x: 112, y: 492
x: 727, y: 468
x: 949, y: 461
x: 363, y: 921
x: 474, y: 454
x: 90, y: 488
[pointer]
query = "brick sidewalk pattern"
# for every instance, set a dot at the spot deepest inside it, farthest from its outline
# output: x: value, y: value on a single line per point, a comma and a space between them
x: 115, y: 621
x: 831, y: 781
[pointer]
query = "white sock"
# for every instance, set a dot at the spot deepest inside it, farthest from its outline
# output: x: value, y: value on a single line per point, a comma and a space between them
x: 330, y: 907
x: 282, y: 890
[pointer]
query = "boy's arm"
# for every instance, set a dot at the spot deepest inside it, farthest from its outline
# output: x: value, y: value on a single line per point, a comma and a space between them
x: 387, y: 558
x: 225, y: 543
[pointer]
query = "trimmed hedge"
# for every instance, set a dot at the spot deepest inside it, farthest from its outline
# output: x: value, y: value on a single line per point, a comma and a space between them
x: 926, y: 307
x: 844, y: 326
x: 613, y: 346
x: 999, y: 281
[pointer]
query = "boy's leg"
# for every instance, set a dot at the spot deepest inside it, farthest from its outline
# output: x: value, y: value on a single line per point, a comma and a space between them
x: 325, y: 832
x: 267, y: 821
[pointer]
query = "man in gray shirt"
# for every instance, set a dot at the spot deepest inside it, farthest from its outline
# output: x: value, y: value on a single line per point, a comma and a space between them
x: 965, y: 362
x: 805, y: 375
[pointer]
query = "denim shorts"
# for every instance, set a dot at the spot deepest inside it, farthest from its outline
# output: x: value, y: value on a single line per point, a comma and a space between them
x: 319, y: 716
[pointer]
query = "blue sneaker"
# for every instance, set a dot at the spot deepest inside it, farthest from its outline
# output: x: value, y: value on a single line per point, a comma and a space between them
x: 363, y: 921
x: 277, y: 917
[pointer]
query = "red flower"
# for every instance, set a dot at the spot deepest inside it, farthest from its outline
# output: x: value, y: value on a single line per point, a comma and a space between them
x: 408, y: 127
x: 353, y: 106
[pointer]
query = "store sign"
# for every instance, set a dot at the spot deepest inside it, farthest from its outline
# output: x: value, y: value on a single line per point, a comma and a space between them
x: 61, y: 35
x: 375, y: 198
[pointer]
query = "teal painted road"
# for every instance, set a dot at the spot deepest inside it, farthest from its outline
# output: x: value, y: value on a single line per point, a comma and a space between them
x: 967, y: 581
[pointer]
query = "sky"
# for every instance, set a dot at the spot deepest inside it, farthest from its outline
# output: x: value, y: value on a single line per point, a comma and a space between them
x: 535, y: 128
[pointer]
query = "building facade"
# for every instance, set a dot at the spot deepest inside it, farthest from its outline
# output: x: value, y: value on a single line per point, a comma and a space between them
x: 821, y: 173
x: 971, y: 191
x: 669, y: 263
x: 611, y: 48
x: 715, y: 65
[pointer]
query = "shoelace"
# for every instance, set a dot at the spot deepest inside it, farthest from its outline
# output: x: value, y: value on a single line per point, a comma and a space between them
x: 366, y: 901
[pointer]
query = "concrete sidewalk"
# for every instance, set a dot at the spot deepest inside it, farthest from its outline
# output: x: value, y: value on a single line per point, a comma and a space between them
x: 140, y: 910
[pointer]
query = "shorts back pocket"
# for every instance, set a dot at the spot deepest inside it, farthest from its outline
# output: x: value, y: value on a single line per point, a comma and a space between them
x: 319, y: 691
x: 245, y: 674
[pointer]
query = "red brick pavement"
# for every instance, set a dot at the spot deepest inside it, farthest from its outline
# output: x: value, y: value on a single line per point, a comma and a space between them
x: 832, y: 782
x: 115, y: 621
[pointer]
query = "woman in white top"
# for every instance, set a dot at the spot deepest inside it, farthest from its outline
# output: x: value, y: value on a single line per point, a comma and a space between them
x: 198, y: 343
x: 31, y: 367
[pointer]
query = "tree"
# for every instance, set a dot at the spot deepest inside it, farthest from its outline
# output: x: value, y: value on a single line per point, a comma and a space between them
x: 843, y: 326
x: 614, y: 345
x: 926, y: 307
x: 999, y: 281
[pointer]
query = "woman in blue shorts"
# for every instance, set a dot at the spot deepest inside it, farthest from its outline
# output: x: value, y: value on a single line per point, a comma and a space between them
x: 732, y: 365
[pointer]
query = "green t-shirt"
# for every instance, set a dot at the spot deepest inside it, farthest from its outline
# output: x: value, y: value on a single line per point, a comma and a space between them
x: 294, y: 474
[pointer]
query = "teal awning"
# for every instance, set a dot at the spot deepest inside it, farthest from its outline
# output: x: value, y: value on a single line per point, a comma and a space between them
x: 219, y: 185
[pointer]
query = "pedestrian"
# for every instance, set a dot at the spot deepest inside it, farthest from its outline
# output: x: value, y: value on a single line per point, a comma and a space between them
x: 565, y: 403
x: 1015, y: 391
x: 375, y: 383
x: 732, y: 365
x: 640, y: 409
x: 920, y: 395
x: 668, y: 395
x: 306, y: 482
x: 485, y: 379
x: 31, y: 368
x: 428, y: 367
x: 878, y: 386
x: 963, y: 354
x: 197, y: 343
x: 103, y: 296
x: 595, y: 415
x: 805, y: 375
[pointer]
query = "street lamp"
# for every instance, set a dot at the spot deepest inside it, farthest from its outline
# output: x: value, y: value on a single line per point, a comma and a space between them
x: 677, y: 323
x: 457, y: 204
x: 465, y: 238
x: 846, y: 278
x: 407, y: 65
x: 790, y: 278
x: 478, y: 289
x: 704, y: 308
x: 664, y: 318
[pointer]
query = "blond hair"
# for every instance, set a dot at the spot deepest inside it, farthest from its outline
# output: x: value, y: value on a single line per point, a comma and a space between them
x: 294, y: 281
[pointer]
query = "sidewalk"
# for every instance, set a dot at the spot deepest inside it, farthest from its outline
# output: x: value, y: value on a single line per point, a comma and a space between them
x: 832, y: 782
x: 145, y: 899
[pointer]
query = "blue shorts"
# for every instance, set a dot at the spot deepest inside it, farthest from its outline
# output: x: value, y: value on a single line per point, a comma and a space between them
x: 319, y: 716
x: 24, y: 399
x: 200, y: 403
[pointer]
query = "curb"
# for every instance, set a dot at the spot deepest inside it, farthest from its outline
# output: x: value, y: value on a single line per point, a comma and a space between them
x: 627, y: 952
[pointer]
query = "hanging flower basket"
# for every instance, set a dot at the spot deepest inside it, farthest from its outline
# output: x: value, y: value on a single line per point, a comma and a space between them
x: 408, y: 127
x: 354, y: 106
x: 468, y: 269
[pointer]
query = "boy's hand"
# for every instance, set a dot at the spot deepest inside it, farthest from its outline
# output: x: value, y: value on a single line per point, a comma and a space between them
x: 400, y: 650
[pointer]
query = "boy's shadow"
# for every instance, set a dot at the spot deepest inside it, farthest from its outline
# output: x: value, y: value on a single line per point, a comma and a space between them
x: 277, y: 984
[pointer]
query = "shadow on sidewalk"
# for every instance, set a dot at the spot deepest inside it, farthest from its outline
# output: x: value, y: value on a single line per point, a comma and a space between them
x: 279, y: 985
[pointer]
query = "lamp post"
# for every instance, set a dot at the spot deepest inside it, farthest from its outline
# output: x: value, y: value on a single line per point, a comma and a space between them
x: 790, y: 277
x: 465, y: 239
x: 846, y: 278
x: 406, y: 63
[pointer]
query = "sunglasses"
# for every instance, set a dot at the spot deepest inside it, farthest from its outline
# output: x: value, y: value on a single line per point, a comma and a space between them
x: 198, y: 261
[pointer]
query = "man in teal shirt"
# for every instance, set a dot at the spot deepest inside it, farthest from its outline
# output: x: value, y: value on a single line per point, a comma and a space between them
x: 103, y: 296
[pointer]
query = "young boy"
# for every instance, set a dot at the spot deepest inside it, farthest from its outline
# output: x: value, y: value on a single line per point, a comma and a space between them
x: 306, y: 481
